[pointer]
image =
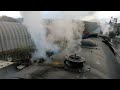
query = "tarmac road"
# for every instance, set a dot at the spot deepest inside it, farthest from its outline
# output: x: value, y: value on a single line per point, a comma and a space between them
x: 6, y: 71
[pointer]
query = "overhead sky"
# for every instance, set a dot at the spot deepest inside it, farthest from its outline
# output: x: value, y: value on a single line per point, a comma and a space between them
x: 65, y: 14
x: 106, y: 14
x: 48, y: 14
x: 15, y: 14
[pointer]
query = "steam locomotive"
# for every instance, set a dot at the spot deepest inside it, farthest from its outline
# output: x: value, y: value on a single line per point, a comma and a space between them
x: 98, y: 59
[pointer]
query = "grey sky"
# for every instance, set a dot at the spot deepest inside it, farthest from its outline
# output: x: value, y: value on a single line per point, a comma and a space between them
x: 15, y: 14
x: 59, y: 14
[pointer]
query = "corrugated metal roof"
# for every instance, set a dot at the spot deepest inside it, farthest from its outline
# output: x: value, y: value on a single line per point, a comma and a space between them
x: 13, y: 36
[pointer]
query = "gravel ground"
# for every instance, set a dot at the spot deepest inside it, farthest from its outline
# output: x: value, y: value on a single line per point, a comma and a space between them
x: 6, y: 69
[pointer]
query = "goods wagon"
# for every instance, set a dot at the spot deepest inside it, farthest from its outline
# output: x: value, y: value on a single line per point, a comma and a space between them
x: 15, y: 41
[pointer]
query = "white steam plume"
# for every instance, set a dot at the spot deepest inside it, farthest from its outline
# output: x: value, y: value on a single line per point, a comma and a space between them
x: 67, y: 32
x: 64, y: 30
x: 64, y: 34
x: 103, y: 18
x: 33, y: 21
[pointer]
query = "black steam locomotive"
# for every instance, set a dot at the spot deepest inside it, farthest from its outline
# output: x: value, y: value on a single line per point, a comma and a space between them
x: 99, y: 59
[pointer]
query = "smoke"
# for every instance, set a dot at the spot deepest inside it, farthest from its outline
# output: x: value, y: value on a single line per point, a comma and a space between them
x: 60, y: 35
x: 103, y: 19
x: 33, y: 21
x: 105, y: 27
x: 67, y: 33
x: 66, y: 14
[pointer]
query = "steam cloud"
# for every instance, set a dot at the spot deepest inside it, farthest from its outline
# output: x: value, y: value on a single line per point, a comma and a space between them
x: 67, y: 32
x: 103, y: 18
x: 33, y: 22
x: 60, y: 35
